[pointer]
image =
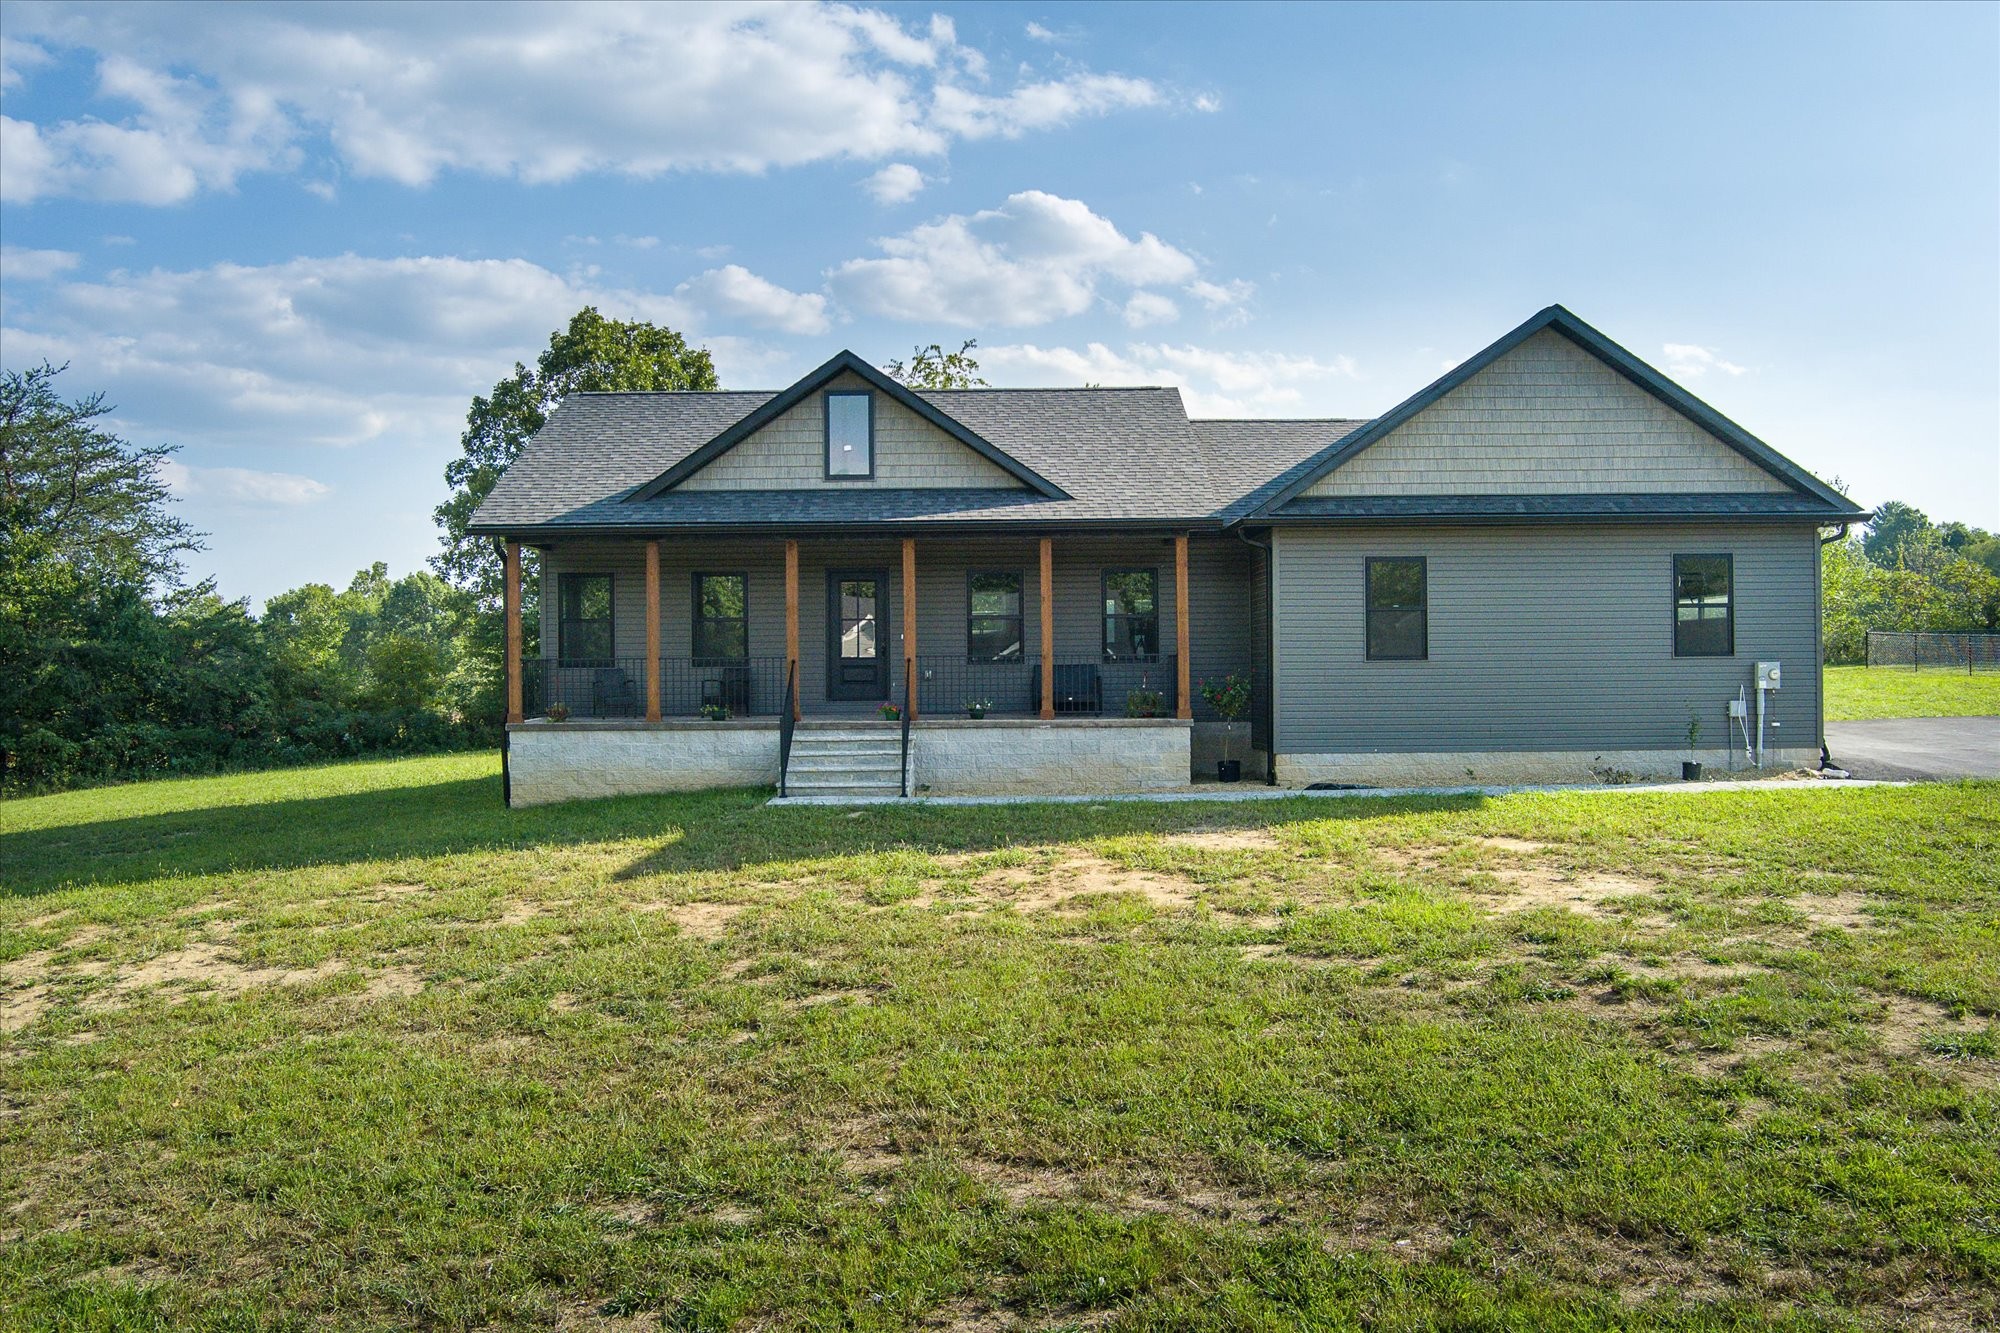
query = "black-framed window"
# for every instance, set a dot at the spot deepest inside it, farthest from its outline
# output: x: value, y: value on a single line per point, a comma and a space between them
x: 1704, y: 606
x: 993, y: 622
x: 583, y: 619
x: 850, y: 434
x: 1131, y: 615
x: 1398, y: 609
x: 721, y: 617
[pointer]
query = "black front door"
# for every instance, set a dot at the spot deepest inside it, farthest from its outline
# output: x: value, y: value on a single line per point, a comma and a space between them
x: 857, y: 634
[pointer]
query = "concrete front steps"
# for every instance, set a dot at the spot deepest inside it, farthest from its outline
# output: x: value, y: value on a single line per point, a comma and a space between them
x: 846, y: 761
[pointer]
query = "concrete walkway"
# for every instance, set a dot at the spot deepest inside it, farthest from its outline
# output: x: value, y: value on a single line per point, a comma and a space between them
x: 1917, y: 749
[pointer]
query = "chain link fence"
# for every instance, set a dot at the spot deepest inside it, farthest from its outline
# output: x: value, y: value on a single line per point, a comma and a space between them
x: 1934, y: 652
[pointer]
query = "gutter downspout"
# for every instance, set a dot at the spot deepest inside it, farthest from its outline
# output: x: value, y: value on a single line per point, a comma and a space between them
x: 1270, y: 708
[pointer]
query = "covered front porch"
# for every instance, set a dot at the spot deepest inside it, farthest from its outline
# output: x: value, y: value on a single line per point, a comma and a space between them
x: 982, y: 644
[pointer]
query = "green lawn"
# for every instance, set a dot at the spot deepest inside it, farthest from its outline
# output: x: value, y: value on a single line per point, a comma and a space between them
x: 1854, y: 693
x: 354, y: 1047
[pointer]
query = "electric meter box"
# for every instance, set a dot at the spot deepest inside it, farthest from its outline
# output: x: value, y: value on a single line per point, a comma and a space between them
x: 1767, y: 675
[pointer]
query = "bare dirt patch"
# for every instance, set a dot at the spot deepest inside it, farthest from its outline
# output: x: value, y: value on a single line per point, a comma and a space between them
x: 1225, y: 840
x: 1589, y: 894
x: 18, y: 1008
x: 701, y: 921
x: 1518, y: 846
x: 1906, y: 1024
x: 205, y: 966
x: 1082, y: 875
x: 1844, y: 911
x: 826, y: 997
x: 393, y: 983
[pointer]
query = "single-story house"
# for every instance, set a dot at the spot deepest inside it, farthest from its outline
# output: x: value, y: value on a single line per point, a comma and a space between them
x: 1550, y: 564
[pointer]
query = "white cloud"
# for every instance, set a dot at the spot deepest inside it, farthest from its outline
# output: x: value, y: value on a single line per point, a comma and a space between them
x: 636, y: 242
x: 1207, y: 102
x: 238, y: 485
x: 735, y: 292
x: 1688, y: 361
x: 897, y: 183
x: 1037, y: 33
x: 340, y: 351
x: 1035, y: 258
x: 536, y: 92
x: 967, y: 114
x: 1228, y: 302
x: 1145, y: 308
x: 1213, y: 383
x: 17, y: 56
x: 24, y: 265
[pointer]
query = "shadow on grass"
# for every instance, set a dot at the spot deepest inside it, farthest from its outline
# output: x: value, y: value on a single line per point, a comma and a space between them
x: 704, y: 831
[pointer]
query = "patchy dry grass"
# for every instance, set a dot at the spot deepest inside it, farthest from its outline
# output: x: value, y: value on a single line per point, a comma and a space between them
x: 356, y: 1047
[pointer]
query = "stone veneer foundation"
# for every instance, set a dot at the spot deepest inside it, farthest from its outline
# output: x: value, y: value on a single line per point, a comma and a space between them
x: 570, y: 761
x: 1029, y: 757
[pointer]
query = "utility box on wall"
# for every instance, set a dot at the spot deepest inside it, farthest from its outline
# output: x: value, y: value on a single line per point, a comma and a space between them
x: 1768, y: 675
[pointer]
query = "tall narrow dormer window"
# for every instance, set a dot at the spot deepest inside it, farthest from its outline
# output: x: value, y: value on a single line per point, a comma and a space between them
x: 850, y: 435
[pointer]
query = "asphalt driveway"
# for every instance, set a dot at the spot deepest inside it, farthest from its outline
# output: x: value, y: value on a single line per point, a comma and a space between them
x: 1917, y: 749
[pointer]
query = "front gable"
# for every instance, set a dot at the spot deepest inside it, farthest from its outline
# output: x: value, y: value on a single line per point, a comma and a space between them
x: 790, y: 452
x: 1554, y: 408
x: 782, y: 446
x: 1546, y: 418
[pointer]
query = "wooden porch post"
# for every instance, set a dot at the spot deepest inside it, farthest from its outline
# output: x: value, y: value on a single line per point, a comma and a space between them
x: 512, y: 598
x: 910, y: 621
x: 792, y: 624
x: 653, y: 631
x: 1048, y: 628
x: 1185, y: 707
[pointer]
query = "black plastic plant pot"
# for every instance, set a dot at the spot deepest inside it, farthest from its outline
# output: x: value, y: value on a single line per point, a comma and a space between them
x: 1690, y: 772
x: 1229, y: 770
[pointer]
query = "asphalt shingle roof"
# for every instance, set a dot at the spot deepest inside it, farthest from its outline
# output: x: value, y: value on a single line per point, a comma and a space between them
x: 1122, y: 455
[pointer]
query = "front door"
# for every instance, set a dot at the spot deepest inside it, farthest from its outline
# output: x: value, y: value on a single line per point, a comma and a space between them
x: 857, y: 634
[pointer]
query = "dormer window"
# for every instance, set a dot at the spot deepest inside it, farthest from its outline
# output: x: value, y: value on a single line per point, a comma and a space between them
x: 850, y: 435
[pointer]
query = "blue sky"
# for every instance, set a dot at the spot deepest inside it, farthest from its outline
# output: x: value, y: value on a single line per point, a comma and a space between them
x: 296, y: 239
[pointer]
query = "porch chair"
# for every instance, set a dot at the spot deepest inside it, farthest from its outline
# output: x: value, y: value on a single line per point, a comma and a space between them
x: 730, y: 687
x: 612, y: 693
x: 1079, y: 688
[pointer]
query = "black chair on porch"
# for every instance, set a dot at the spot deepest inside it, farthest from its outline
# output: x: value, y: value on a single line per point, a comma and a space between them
x: 1079, y: 688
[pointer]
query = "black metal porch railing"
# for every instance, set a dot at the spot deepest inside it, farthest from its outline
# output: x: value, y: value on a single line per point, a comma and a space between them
x: 949, y: 685
x: 616, y: 687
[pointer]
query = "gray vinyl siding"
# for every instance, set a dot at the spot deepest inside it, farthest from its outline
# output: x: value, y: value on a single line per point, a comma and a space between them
x: 1220, y: 623
x: 1555, y: 638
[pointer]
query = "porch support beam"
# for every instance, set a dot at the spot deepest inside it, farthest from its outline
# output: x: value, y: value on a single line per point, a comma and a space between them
x: 910, y: 622
x: 653, y: 631
x: 792, y: 624
x: 511, y: 596
x: 1184, y: 708
x: 1048, y: 628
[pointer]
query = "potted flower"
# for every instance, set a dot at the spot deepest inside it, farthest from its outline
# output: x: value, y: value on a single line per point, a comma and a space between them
x: 1145, y: 702
x: 1228, y: 697
x: 890, y: 713
x: 976, y: 708
x: 715, y: 712
x: 1690, y: 767
x: 558, y: 712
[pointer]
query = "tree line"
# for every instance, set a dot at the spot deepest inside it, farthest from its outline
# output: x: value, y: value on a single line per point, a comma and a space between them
x: 1904, y: 572
x: 113, y: 665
